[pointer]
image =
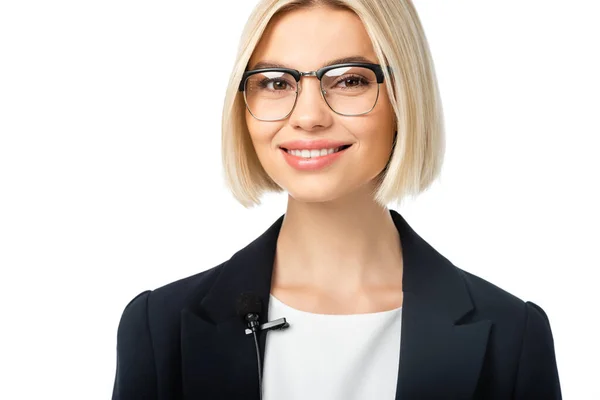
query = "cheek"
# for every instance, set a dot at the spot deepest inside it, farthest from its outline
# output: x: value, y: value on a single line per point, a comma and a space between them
x: 375, y: 137
x: 376, y: 145
x: 382, y: 127
x: 256, y: 129
x: 375, y: 133
x: 261, y: 134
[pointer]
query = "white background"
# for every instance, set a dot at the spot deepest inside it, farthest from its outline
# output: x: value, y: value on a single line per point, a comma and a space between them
x: 110, y: 178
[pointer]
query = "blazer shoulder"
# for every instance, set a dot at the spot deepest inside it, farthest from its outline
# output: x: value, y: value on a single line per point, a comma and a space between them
x: 183, y: 293
x: 503, y: 308
x: 493, y: 302
x: 521, y: 338
x: 482, y: 289
x: 166, y: 302
x: 148, y: 333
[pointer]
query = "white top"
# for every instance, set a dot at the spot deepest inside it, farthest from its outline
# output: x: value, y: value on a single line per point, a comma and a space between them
x: 332, y: 357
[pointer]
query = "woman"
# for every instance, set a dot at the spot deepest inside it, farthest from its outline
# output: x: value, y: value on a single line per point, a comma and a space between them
x: 336, y: 103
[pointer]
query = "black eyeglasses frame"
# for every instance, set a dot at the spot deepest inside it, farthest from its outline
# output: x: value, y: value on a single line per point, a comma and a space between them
x: 376, y: 68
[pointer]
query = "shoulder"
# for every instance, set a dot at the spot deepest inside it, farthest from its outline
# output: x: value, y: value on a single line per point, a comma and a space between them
x: 517, y: 324
x: 496, y: 303
x: 148, y: 333
x: 162, y: 306
x: 184, y: 292
x: 492, y: 300
x: 488, y: 297
x: 521, y: 337
x: 174, y: 296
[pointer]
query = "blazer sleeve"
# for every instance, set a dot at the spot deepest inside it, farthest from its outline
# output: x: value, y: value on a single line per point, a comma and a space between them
x: 537, y: 375
x: 136, y: 371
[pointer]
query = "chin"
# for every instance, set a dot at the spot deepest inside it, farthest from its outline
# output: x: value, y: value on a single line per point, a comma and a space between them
x: 317, y: 193
x: 308, y: 198
x: 313, y: 193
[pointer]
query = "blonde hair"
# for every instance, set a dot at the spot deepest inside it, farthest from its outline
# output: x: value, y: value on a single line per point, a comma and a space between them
x: 399, y: 42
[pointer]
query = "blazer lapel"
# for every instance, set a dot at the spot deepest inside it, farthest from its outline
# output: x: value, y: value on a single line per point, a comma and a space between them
x: 440, y: 355
x: 218, y: 358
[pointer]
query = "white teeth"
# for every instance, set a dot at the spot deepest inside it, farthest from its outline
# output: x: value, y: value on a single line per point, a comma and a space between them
x: 313, y: 153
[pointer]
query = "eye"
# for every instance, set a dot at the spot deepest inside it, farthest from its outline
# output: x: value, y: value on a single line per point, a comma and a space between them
x: 352, y: 81
x: 275, y: 84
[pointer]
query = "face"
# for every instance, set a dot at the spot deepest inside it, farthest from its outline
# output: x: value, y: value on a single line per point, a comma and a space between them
x: 307, y: 40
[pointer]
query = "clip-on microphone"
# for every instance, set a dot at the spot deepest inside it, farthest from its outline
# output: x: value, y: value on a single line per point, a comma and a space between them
x: 249, y: 307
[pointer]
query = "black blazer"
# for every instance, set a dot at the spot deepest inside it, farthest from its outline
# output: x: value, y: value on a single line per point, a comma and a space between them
x: 462, y: 337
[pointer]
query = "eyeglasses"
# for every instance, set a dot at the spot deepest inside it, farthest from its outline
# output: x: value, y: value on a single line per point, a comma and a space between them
x: 349, y: 89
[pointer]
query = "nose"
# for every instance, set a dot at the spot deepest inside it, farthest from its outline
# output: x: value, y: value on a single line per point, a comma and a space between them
x: 310, y: 112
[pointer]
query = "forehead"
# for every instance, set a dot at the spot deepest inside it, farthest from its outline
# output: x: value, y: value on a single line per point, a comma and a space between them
x: 307, y: 39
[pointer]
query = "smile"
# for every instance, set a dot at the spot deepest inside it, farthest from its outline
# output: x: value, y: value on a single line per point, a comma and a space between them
x: 315, y: 153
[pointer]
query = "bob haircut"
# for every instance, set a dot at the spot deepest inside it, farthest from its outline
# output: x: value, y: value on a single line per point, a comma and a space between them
x: 400, y: 43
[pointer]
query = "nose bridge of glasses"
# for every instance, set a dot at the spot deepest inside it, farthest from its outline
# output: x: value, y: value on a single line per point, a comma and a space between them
x: 309, y: 73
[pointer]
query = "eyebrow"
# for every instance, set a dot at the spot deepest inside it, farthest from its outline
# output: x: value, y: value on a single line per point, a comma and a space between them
x: 270, y: 64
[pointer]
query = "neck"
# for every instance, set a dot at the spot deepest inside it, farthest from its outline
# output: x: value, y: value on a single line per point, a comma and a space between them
x: 344, y: 245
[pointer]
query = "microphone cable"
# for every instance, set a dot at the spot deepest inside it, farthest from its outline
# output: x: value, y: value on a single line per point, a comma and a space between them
x: 259, y: 365
x: 249, y: 307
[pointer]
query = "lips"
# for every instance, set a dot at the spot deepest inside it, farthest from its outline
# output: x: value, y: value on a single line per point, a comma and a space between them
x: 302, y: 161
x: 327, y: 150
x: 314, y: 144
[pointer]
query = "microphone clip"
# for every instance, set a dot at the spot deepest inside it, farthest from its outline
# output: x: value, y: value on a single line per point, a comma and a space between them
x: 252, y: 320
